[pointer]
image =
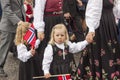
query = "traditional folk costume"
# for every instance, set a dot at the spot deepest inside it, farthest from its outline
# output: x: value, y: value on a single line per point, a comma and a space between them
x: 47, y: 13
x: 103, y: 59
x: 29, y: 12
x: 29, y: 64
x: 57, y: 57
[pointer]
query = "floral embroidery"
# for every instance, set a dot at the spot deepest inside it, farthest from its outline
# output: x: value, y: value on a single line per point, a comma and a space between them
x: 102, y: 52
x: 118, y: 61
x: 79, y: 72
x: 104, y: 74
x: 109, y: 43
x: 97, y: 74
x: 111, y: 63
x: 114, y: 50
x: 96, y: 62
x: 60, y: 53
x: 112, y: 75
x: 117, y: 73
x: 88, y: 71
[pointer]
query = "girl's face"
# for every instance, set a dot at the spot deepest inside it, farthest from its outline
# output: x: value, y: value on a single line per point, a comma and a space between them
x: 59, y: 36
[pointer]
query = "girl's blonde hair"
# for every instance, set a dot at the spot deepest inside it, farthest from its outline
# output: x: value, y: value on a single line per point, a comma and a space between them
x: 20, y: 32
x: 58, y: 26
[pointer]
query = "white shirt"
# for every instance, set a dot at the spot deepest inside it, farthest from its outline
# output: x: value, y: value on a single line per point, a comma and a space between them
x: 48, y: 54
x: 38, y: 13
x: 94, y: 11
x: 23, y: 53
x: 116, y: 8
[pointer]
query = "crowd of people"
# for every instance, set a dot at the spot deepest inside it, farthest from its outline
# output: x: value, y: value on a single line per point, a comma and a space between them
x: 62, y: 28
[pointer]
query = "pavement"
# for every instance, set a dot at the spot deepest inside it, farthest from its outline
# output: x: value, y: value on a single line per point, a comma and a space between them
x: 11, y: 67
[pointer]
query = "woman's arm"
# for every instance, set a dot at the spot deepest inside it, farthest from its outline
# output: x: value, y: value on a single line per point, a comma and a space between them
x: 93, y: 14
x: 116, y: 9
x: 23, y: 53
x: 38, y: 22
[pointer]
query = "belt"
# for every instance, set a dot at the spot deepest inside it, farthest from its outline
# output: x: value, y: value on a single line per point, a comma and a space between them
x: 53, y: 13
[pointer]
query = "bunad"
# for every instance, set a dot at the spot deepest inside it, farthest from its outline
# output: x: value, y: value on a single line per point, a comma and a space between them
x: 57, y: 57
x: 29, y: 64
x: 47, y: 13
x: 102, y: 62
x: 27, y: 54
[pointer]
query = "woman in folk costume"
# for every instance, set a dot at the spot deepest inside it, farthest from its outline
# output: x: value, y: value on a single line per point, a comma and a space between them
x: 28, y: 56
x: 57, y: 55
x: 28, y: 5
x: 47, y: 13
x: 103, y: 60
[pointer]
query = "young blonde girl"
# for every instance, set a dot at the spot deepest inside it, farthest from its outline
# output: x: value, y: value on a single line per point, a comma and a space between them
x: 29, y: 59
x: 57, y: 53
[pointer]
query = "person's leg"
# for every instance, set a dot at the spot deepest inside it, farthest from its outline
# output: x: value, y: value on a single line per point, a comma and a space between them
x: 5, y: 42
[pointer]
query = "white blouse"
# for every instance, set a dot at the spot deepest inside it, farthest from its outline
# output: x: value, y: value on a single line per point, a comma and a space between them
x: 94, y: 10
x: 48, y: 54
x: 23, y: 53
x: 38, y: 13
x: 116, y: 8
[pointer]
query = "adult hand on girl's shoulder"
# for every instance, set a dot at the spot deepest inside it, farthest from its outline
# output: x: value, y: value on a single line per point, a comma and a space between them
x: 48, y: 75
x: 90, y: 37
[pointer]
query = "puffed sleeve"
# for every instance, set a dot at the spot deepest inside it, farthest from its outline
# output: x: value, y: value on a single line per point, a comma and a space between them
x: 48, y: 57
x: 93, y: 14
x: 23, y: 53
x: 38, y: 13
x: 77, y: 47
x: 116, y: 9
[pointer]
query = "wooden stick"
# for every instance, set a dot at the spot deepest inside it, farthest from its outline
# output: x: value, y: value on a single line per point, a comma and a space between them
x: 50, y: 76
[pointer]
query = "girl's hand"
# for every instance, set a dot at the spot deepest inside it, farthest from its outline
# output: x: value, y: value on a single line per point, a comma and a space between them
x: 48, y: 75
x: 32, y: 51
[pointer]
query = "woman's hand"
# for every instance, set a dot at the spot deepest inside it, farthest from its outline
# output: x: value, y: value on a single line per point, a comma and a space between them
x: 90, y: 37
